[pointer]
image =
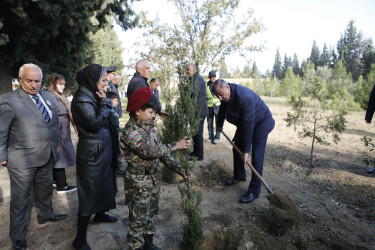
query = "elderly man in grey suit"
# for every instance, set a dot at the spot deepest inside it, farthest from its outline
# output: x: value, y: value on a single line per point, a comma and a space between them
x: 29, y: 143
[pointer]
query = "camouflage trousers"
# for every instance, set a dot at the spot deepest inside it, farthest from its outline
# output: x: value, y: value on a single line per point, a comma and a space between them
x: 142, y: 196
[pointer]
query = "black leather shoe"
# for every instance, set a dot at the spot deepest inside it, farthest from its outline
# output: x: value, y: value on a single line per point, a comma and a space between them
x: 77, y: 247
x: 104, y: 218
x: 19, y: 244
x: 53, y: 217
x: 233, y: 181
x: 371, y: 171
x: 249, y: 197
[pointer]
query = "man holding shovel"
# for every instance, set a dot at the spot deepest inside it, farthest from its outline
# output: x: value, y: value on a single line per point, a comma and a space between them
x: 253, y: 119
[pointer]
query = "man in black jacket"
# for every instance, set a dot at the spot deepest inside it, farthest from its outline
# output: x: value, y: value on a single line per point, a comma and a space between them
x: 139, y: 80
x: 199, y: 87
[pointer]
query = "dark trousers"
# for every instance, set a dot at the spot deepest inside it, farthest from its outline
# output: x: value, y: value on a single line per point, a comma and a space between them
x: 59, y: 177
x: 198, y: 141
x: 258, y: 148
x: 210, y: 124
x: 22, y: 182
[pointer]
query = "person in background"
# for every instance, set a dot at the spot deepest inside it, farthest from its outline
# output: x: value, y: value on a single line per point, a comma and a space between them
x: 199, y: 90
x: 143, y: 152
x: 115, y: 99
x: 113, y: 82
x: 154, y: 84
x: 213, y: 104
x: 139, y: 80
x: 369, y: 114
x: 97, y: 151
x: 67, y: 156
x: 253, y: 119
x: 29, y: 144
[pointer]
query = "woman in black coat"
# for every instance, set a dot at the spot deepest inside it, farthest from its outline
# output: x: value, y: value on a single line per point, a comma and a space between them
x: 97, y: 150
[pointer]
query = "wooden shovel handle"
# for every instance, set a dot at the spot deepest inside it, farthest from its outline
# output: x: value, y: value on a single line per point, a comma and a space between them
x: 249, y: 164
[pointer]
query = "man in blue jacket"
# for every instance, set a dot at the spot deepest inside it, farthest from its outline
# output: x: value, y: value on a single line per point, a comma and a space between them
x: 244, y: 109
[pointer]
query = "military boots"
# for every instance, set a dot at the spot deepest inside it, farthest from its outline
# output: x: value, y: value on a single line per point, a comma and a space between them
x: 149, y: 245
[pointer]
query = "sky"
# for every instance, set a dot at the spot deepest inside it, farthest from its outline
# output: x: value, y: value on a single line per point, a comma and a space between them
x: 291, y: 26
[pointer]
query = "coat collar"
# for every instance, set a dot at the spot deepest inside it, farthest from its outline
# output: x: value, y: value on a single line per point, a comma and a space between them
x: 26, y: 99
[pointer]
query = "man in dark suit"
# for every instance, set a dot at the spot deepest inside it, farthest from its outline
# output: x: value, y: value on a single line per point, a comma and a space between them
x: 244, y: 109
x: 200, y: 90
x: 154, y: 84
x: 29, y: 143
x: 113, y: 81
x: 369, y: 114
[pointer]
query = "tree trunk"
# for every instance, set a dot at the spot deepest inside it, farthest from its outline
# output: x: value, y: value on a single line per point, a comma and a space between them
x: 5, y: 79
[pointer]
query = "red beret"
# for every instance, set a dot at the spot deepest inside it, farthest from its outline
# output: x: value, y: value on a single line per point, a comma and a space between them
x: 139, y: 98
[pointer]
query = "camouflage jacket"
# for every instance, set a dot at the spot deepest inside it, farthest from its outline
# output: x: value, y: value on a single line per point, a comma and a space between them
x: 144, y: 150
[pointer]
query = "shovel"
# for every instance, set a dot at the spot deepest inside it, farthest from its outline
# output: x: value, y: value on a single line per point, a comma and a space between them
x: 249, y: 164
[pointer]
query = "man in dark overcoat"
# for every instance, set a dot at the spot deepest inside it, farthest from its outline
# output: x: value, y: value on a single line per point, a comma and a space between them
x: 243, y: 108
x: 29, y: 143
x: 200, y: 90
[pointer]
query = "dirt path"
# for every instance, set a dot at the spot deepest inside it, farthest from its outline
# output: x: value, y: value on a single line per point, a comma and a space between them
x: 334, y: 200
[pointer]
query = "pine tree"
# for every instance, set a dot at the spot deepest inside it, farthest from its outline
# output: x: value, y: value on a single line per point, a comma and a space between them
x: 291, y: 84
x: 350, y: 48
x: 325, y: 58
x: 295, y: 64
x: 368, y: 57
x: 287, y: 63
x: 303, y: 66
x: 183, y: 121
x: 255, y: 71
x: 311, y: 117
x: 315, y: 55
x: 364, y: 87
x: 276, y: 69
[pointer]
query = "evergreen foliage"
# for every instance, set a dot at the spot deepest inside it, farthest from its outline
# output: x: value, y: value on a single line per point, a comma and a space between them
x: 296, y: 68
x: 368, y: 159
x: 312, y: 115
x: 276, y: 69
x: 325, y: 57
x: 287, y: 63
x: 54, y: 34
x: 184, y: 121
x: 254, y: 71
x: 364, y: 87
x: 315, y: 55
x: 106, y: 48
x: 291, y: 84
x: 350, y: 48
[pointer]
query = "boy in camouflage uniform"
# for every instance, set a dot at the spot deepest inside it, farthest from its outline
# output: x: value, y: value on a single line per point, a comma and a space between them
x: 144, y: 151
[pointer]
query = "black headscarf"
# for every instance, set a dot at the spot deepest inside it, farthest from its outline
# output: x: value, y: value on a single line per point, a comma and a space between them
x: 90, y: 76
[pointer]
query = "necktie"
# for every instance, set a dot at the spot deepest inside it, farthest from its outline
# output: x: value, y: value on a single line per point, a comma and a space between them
x: 42, y: 108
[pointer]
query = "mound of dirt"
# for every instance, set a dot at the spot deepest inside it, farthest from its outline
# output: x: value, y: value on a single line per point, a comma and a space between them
x: 214, y: 173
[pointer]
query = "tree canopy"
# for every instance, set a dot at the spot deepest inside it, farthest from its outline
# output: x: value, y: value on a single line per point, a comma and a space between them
x: 205, y: 33
x: 53, y: 34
